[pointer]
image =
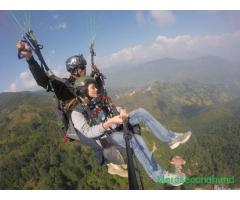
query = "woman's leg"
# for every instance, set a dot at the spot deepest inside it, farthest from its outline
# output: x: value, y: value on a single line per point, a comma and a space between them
x: 140, y: 115
x: 142, y: 153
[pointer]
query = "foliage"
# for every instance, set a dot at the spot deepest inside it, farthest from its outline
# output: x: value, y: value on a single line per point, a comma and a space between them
x: 33, y: 155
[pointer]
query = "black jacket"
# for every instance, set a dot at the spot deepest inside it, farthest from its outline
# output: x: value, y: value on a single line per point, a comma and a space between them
x: 63, y: 88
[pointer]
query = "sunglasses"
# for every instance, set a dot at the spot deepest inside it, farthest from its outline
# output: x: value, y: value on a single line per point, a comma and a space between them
x: 80, y: 67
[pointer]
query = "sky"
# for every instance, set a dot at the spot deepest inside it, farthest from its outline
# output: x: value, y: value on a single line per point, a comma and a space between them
x: 121, y: 38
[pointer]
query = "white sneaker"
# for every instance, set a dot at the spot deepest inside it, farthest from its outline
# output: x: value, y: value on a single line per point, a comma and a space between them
x: 117, y: 170
x: 180, y: 138
x: 174, y: 179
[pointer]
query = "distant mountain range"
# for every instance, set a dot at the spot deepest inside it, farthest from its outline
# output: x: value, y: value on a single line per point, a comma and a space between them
x: 208, y: 69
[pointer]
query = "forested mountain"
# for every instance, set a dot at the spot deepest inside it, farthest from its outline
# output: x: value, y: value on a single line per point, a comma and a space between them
x: 33, y: 155
x: 210, y: 111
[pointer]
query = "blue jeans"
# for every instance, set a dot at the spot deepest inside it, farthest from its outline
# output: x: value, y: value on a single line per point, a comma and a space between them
x: 140, y: 115
x: 138, y: 145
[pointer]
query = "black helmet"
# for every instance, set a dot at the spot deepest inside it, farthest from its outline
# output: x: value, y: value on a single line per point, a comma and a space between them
x: 75, y: 61
x: 81, y: 85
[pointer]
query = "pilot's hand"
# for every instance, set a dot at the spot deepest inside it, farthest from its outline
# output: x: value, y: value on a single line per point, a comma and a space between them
x: 24, y: 50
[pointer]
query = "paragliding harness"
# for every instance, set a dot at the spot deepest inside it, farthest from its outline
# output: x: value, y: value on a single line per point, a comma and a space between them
x: 94, y: 113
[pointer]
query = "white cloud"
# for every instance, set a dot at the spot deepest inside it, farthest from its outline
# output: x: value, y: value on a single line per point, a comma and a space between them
x: 58, y: 26
x: 225, y: 45
x: 12, y: 88
x: 162, y: 17
x: 60, y: 71
x: 26, y: 82
x: 159, y: 17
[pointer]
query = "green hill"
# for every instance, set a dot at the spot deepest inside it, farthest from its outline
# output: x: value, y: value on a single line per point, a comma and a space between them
x: 33, y: 155
x: 211, y: 112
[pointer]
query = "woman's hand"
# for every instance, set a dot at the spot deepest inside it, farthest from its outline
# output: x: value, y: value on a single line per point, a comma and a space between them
x: 25, y: 50
x: 117, y: 120
x: 123, y: 114
x: 113, y: 121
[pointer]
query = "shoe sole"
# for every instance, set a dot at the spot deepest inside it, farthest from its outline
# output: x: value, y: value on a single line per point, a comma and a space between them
x: 176, y: 185
x: 174, y: 146
x: 122, y: 173
x: 115, y: 173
